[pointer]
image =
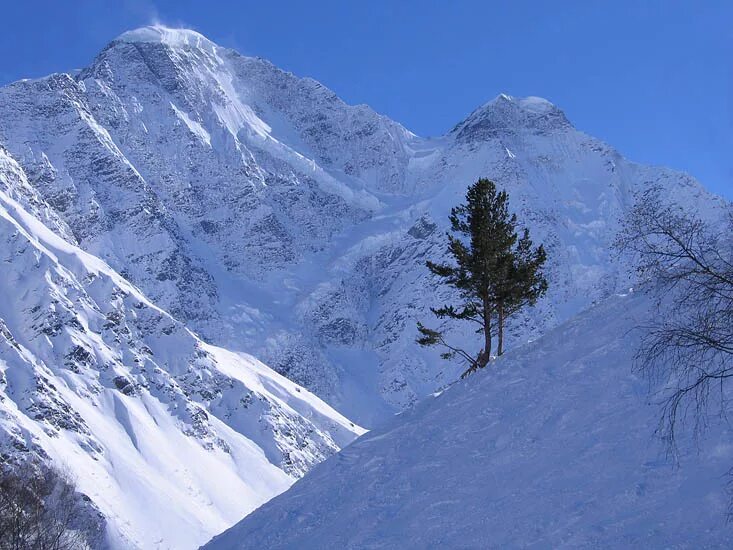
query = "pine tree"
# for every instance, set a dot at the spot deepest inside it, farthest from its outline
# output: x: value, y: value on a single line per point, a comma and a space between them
x: 496, y: 273
x: 524, y: 284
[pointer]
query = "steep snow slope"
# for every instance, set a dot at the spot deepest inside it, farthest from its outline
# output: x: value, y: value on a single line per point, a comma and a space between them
x: 172, y: 439
x: 551, y: 447
x: 272, y: 218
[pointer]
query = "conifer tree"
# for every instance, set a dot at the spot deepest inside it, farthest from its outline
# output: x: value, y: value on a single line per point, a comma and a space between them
x: 495, y: 272
x: 523, y: 285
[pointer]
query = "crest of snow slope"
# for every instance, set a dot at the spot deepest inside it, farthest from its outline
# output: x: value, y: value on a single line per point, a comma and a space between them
x: 172, y: 439
x: 271, y: 217
x: 551, y: 447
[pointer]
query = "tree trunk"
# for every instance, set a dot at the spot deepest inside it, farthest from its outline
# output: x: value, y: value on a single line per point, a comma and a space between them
x: 484, y: 357
x: 500, y: 350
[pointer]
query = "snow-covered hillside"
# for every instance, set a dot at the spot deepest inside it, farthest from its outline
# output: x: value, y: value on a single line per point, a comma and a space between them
x: 551, y: 447
x: 272, y: 218
x: 172, y: 439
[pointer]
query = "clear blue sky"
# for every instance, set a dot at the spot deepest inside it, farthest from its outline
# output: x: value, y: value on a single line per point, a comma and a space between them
x: 654, y: 79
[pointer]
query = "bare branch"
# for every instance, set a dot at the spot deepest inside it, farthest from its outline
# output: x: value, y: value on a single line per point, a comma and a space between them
x: 688, y: 264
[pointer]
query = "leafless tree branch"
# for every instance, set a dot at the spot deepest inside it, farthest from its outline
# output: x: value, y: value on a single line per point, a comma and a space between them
x: 688, y: 264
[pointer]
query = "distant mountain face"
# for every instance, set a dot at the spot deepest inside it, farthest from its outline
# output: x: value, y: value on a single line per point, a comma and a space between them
x: 271, y: 217
x: 214, y: 193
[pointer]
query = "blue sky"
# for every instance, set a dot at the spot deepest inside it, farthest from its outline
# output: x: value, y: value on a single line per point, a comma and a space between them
x: 654, y: 79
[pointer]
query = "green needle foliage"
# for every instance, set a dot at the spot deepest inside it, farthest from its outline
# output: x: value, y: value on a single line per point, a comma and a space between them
x: 496, y: 271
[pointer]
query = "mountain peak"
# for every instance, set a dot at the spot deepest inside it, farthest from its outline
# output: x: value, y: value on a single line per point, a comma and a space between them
x: 529, y: 103
x: 508, y: 113
x: 171, y: 37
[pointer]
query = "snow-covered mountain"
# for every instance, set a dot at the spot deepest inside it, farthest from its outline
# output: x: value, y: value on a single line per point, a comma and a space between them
x: 175, y: 210
x: 171, y: 438
x: 551, y: 448
x: 272, y: 218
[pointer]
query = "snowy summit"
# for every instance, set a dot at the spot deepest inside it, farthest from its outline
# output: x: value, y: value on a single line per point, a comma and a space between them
x: 172, y: 37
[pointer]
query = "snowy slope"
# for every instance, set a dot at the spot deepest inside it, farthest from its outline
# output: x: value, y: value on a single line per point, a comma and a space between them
x: 171, y: 438
x: 272, y: 218
x: 551, y: 447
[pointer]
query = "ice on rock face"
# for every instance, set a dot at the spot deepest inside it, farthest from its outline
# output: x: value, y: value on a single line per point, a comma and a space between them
x: 506, y: 114
x: 537, y: 104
